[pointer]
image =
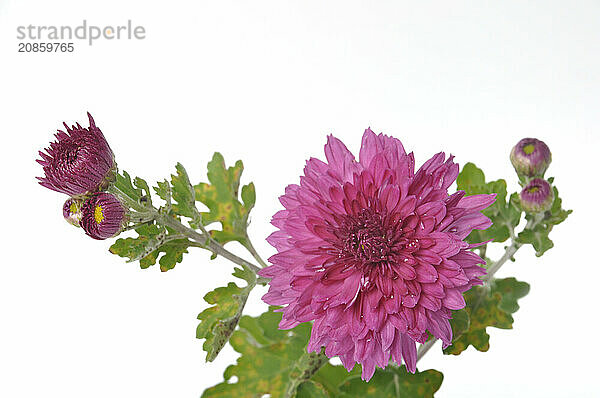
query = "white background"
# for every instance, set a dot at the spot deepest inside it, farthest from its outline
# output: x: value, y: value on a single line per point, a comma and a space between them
x: 265, y: 82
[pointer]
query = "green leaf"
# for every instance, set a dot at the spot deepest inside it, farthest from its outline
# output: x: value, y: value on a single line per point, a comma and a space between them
x: 124, y: 184
x: 173, y: 253
x: 331, y: 377
x: 460, y: 323
x: 147, y: 246
x: 275, y: 362
x: 304, y: 368
x: 218, y: 322
x: 538, y: 237
x: 505, y: 215
x: 183, y: 194
x: 141, y: 184
x: 510, y: 290
x: 488, y: 307
x: 163, y: 190
x: 310, y: 389
x: 221, y: 198
x: 394, y: 382
x: 470, y: 177
x: 557, y: 214
x: 268, y: 357
x: 138, y: 248
x: 131, y: 194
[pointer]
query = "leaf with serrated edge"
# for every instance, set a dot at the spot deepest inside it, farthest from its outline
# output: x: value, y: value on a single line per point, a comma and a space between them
x: 183, y: 193
x: 488, y: 307
x: 511, y: 290
x: 268, y: 357
x: 221, y: 198
x: 505, y: 215
x: 143, y: 185
x: 394, y: 382
x: 538, y: 237
x: 134, y: 248
x: 163, y: 190
x: 218, y: 322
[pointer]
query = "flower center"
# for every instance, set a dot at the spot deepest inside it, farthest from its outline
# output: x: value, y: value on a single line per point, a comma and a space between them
x: 528, y: 149
x: 364, y: 237
x: 73, y: 207
x: 533, y: 189
x: 98, y: 214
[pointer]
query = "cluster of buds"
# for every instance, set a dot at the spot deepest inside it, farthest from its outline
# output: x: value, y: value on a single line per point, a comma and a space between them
x: 531, y: 158
x: 81, y: 164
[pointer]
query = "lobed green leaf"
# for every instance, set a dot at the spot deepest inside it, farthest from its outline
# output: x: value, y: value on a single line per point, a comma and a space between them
x: 275, y: 362
x: 268, y: 356
x: 124, y: 184
x: 218, y: 322
x: 151, y: 241
x: 221, y: 198
x: 394, y: 382
x: 460, y: 323
x: 538, y: 237
x: 183, y: 193
x: 488, y: 307
x: 505, y: 215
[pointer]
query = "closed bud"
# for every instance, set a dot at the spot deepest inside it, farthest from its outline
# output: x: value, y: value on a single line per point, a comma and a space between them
x: 102, y: 216
x: 72, y: 211
x: 79, y: 162
x: 537, y: 196
x: 530, y: 157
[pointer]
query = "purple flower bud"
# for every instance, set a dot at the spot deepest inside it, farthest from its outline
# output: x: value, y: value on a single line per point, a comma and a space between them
x: 78, y: 162
x: 530, y: 157
x: 72, y: 211
x: 102, y: 216
x: 537, y: 196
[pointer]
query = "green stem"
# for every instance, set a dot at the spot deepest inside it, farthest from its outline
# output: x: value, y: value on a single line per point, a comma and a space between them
x: 129, y: 201
x: 248, y: 245
x: 424, y: 348
x: 202, y: 240
x: 305, y: 368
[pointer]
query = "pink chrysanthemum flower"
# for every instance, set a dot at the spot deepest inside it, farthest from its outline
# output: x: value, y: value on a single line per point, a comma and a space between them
x: 102, y: 216
x: 373, y: 252
x: 79, y: 162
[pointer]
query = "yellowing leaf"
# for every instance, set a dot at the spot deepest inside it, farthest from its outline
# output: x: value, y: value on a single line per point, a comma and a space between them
x: 487, y: 307
x: 221, y: 198
x: 219, y: 321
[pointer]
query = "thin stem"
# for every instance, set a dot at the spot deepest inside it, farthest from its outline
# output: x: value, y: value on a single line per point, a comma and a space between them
x: 305, y: 367
x: 248, y: 245
x: 423, y: 348
x: 508, y: 253
x: 210, y: 245
x: 202, y: 240
x: 133, y: 203
x: 155, y: 243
